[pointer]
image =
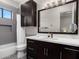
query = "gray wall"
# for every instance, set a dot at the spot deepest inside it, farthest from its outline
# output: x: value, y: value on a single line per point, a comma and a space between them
x: 7, y: 33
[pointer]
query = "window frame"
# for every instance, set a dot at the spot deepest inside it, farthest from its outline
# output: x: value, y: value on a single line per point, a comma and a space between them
x: 2, y: 16
x: 1, y: 12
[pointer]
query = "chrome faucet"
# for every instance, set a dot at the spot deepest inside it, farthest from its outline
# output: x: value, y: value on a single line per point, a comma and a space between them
x: 51, y: 35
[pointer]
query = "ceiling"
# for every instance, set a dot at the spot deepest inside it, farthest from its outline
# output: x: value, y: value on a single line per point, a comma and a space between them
x: 39, y: 2
x: 17, y: 3
x: 20, y: 1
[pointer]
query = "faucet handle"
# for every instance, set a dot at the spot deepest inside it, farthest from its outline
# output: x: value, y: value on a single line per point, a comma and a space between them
x: 50, y: 35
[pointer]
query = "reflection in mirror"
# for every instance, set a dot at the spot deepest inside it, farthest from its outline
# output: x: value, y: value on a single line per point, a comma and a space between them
x: 58, y: 19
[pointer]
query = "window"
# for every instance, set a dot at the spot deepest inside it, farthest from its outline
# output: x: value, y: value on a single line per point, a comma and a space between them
x: 5, y: 18
x: 0, y: 12
x: 7, y: 14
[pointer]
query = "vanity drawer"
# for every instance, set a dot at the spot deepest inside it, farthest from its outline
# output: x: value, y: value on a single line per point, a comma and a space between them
x: 31, y: 50
x: 34, y: 43
x: 30, y: 41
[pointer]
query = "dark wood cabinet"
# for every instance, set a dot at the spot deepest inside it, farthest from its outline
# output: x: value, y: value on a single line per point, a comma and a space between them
x: 44, y: 50
x: 31, y: 49
x: 28, y: 13
x: 53, y: 51
x: 47, y: 50
x: 69, y: 53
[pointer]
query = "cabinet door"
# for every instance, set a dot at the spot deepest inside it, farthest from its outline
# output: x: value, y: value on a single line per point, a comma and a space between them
x: 31, y: 49
x: 69, y: 53
x: 28, y: 14
x: 35, y: 50
x: 53, y: 51
x: 41, y: 53
x: 48, y: 51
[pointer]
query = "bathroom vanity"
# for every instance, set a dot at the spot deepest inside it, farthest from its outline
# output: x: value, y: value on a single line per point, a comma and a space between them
x: 49, y: 48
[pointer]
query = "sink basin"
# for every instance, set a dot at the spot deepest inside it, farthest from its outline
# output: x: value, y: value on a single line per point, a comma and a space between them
x: 41, y: 37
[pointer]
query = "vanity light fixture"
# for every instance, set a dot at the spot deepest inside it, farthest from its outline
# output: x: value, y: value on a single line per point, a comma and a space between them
x: 55, y: 3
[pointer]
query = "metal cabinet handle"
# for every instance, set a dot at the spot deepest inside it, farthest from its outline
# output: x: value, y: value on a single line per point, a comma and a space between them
x: 72, y: 49
x: 47, y: 52
x: 60, y: 54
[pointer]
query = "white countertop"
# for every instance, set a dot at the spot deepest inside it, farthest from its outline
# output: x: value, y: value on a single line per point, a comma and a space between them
x: 65, y: 41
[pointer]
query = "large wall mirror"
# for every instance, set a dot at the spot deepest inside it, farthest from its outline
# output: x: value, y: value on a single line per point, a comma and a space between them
x: 61, y: 19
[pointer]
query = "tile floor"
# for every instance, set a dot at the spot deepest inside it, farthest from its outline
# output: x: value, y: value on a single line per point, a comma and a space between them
x: 14, y: 57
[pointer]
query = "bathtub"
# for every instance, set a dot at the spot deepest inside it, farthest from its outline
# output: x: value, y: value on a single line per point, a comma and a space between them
x: 7, y: 50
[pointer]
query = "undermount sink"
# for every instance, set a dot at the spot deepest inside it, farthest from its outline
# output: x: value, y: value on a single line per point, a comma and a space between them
x: 40, y: 37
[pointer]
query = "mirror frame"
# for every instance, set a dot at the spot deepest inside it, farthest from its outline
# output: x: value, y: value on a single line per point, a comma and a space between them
x: 76, y: 32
